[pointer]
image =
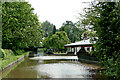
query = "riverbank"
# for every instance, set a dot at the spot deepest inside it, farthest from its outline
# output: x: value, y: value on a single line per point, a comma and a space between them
x: 11, y: 60
x: 11, y: 63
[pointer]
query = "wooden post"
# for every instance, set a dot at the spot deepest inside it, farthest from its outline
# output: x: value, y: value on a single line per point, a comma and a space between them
x: 74, y: 50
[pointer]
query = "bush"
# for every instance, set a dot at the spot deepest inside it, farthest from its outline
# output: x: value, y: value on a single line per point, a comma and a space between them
x: 112, y: 68
x: 7, y: 53
x: 19, y: 52
x: 2, y: 53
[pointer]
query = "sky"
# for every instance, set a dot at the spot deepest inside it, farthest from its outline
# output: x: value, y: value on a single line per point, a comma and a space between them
x: 58, y: 11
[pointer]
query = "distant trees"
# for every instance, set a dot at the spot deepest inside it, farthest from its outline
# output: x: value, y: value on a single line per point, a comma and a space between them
x: 48, y: 28
x: 56, y: 39
x: 90, y: 34
x: 74, y: 33
x: 20, y: 26
x: 54, y: 30
x: 105, y: 19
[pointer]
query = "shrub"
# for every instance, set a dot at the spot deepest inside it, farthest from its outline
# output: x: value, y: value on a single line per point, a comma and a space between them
x: 19, y: 52
x: 7, y: 53
x: 2, y: 53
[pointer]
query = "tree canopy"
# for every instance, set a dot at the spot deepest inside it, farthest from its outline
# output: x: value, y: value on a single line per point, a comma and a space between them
x: 105, y: 19
x: 90, y: 34
x: 20, y: 25
x: 56, y: 41
x: 48, y: 28
x: 74, y: 33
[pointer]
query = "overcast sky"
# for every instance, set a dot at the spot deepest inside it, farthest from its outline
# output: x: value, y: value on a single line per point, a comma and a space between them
x: 58, y: 11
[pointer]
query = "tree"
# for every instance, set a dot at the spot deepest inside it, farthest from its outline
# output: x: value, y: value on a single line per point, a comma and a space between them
x: 20, y: 26
x: 56, y: 41
x: 105, y: 19
x: 74, y: 33
x: 90, y: 34
x: 48, y: 28
x: 54, y: 30
x: 0, y: 25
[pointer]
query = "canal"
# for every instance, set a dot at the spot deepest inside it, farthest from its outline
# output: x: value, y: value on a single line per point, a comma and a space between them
x: 53, y: 67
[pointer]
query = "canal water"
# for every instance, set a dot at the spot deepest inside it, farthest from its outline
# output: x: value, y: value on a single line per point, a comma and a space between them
x: 56, y: 67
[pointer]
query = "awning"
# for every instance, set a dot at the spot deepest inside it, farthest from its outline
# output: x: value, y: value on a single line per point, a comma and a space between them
x: 83, y: 43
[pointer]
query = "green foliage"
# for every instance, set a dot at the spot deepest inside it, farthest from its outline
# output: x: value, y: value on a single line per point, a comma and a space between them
x: 105, y: 19
x: 90, y: 34
x: 74, y: 33
x: 10, y: 58
x: 45, y: 42
x: 48, y: 28
x: 0, y: 25
x: 19, y: 52
x: 2, y: 53
x: 56, y: 41
x: 7, y: 53
x: 113, y: 68
x: 54, y: 30
x: 20, y: 26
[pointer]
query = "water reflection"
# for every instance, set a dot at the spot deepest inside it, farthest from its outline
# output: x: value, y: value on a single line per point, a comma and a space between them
x: 64, y: 70
x: 52, y: 68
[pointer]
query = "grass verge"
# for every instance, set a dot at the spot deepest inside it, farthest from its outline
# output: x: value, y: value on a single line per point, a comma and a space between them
x: 12, y: 58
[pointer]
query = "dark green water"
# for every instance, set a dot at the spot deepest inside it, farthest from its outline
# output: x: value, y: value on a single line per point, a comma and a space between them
x: 57, y: 68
